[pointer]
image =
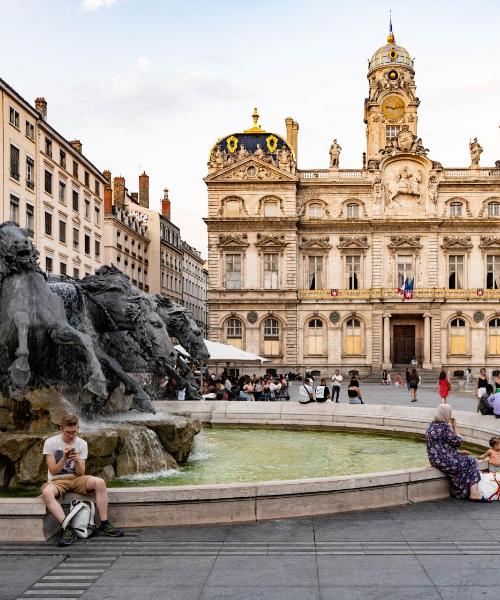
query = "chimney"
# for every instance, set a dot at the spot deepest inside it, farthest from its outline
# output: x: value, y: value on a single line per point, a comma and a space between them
x: 119, y: 191
x: 107, y: 175
x: 135, y: 197
x: 292, y: 129
x: 77, y: 145
x: 41, y: 106
x: 108, y: 197
x: 165, y: 204
x: 144, y: 190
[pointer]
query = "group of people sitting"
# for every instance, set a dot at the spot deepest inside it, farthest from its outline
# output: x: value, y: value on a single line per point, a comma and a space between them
x: 246, y: 388
x: 488, y: 394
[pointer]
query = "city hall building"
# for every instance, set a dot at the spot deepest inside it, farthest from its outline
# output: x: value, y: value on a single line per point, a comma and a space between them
x: 356, y: 269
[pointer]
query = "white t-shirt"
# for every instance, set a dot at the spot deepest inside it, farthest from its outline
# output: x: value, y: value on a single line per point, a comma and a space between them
x: 181, y: 394
x: 304, y: 392
x: 55, y: 445
x: 320, y: 392
x: 337, y: 380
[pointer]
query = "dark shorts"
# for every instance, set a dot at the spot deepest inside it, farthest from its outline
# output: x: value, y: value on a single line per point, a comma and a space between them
x: 413, y: 386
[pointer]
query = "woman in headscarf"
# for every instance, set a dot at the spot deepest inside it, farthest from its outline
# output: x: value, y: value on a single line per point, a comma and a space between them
x: 443, y: 441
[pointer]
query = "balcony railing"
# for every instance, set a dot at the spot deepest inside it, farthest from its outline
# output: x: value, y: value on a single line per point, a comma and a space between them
x: 341, y: 295
x: 492, y: 172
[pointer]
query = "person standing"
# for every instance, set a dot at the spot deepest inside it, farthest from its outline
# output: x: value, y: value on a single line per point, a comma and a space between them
x: 482, y: 382
x: 414, y: 380
x: 408, y: 373
x: 444, y: 387
x: 336, y: 385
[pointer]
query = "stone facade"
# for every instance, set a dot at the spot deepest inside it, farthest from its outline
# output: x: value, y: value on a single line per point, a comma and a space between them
x: 49, y: 187
x: 194, y: 286
x: 358, y: 269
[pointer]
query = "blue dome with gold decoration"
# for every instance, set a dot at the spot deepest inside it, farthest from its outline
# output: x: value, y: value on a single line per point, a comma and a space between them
x: 263, y: 145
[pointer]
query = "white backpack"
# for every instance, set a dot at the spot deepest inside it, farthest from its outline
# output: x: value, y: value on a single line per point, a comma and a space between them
x: 81, y: 518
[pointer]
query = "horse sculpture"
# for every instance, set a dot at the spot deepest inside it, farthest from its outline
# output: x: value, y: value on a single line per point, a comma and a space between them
x: 32, y: 316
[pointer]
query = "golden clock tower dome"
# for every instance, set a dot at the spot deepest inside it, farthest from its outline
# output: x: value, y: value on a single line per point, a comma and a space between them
x: 392, y: 102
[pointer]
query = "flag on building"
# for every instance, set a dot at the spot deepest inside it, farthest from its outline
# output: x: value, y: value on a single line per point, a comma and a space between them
x: 408, y: 288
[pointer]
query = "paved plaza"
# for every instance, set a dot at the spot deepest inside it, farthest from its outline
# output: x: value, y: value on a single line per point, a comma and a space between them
x: 436, y: 550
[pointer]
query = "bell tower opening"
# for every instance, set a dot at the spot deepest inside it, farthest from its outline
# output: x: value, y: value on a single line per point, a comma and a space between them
x: 392, y: 102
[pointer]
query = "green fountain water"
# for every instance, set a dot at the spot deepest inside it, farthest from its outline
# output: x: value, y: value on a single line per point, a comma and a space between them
x: 232, y: 455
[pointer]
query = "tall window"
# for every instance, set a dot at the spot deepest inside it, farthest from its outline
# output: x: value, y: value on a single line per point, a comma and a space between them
x: 494, y: 209
x: 62, y: 268
x: 30, y: 173
x: 62, y: 192
x: 494, y: 336
x: 457, y: 336
x: 48, y: 182
x: 232, y: 208
x: 86, y: 176
x: 353, y: 337
x: 30, y: 220
x: 75, y: 200
x: 315, y: 211
x: 62, y: 231
x: 48, y: 264
x: 493, y: 272
x: 14, y: 162
x: 234, y: 332
x: 405, y: 269
x: 315, y: 336
x: 97, y: 215
x: 30, y: 130
x: 455, y: 272
x: 315, y: 272
x: 352, y: 210
x: 14, y: 117
x: 14, y: 209
x: 48, y: 223
x: 97, y: 245
x: 76, y: 238
x: 353, y: 272
x: 97, y: 187
x: 48, y: 147
x: 456, y: 209
x: 76, y: 272
x: 62, y: 158
x: 391, y: 131
x: 87, y: 208
x: 271, y: 271
x: 75, y: 169
x: 233, y: 271
x: 271, y: 208
x: 271, y: 345
x: 87, y: 244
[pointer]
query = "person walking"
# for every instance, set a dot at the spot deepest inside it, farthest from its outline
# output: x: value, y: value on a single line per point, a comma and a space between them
x: 413, y: 381
x: 444, y: 387
x: 336, y: 385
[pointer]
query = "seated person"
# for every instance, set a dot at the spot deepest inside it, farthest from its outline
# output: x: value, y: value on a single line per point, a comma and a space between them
x: 322, y: 391
x: 306, y: 392
x: 483, y: 406
x: 494, y: 402
x: 66, y: 454
x: 493, y: 455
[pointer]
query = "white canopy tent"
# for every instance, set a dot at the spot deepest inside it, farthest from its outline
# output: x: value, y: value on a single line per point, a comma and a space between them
x: 225, y: 353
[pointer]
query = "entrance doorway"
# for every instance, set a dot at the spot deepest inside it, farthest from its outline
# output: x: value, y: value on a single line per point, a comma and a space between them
x: 403, y: 344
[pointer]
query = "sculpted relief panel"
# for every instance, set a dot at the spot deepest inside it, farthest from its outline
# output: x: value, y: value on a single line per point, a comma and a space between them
x: 403, y: 189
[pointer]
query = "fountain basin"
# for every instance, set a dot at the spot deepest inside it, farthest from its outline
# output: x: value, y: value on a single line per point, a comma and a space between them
x: 23, y: 519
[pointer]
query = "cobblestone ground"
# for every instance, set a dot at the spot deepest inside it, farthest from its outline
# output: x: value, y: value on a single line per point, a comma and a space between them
x: 446, y: 550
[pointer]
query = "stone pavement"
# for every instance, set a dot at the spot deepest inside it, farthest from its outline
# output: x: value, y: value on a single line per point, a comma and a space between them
x: 437, y: 550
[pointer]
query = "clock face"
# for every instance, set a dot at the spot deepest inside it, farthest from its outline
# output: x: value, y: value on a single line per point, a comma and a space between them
x: 393, y: 108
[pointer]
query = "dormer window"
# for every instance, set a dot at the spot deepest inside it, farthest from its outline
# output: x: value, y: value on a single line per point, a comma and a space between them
x: 352, y: 210
x: 315, y: 211
x: 456, y: 209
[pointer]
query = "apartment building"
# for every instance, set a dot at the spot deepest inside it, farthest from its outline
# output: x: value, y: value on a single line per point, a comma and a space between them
x: 49, y: 187
x: 194, y: 285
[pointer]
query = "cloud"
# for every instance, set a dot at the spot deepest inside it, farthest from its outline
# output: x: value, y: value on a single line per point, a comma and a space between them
x: 96, y: 4
x: 142, y: 62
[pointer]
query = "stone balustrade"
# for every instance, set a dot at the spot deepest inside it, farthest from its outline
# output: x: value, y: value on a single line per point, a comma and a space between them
x: 333, y: 174
x: 340, y: 295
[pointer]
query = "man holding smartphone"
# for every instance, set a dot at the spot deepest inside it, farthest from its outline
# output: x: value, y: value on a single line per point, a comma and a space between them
x: 66, y: 454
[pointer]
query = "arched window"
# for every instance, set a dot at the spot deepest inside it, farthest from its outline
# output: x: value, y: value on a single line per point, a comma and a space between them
x: 352, y: 210
x: 271, y: 346
x: 270, y: 208
x: 315, y: 336
x: 456, y: 209
x: 232, y: 208
x: 494, y: 336
x: 494, y: 209
x: 315, y: 211
x: 234, y: 332
x: 353, y: 337
x: 458, y: 337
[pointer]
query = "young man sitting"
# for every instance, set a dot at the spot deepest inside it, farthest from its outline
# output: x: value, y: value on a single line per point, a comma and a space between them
x: 66, y: 454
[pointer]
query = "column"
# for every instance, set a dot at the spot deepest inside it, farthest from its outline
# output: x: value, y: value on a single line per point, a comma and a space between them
x: 427, y: 342
x: 386, y: 363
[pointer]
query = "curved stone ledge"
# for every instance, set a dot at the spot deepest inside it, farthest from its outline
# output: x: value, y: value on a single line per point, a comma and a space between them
x: 23, y: 519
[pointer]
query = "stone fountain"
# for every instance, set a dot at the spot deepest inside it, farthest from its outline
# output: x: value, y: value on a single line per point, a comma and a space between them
x: 88, y: 347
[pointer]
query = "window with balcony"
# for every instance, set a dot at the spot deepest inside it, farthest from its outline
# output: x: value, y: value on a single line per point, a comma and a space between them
x: 233, y: 271
x: 48, y: 182
x: 14, y: 209
x: 456, y: 272
x: 404, y: 270
x: 493, y: 272
x: 315, y: 272
x: 271, y: 271
x: 30, y: 173
x: 48, y: 223
x: 30, y: 220
x: 14, y: 117
x: 14, y: 162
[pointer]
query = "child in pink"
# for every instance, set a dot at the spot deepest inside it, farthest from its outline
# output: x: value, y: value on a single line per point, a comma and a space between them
x: 444, y: 387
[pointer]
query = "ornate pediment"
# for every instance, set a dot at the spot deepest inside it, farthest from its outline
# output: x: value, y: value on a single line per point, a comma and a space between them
x: 406, y: 242
x: 251, y: 169
x: 488, y: 241
x: 270, y: 242
x: 233, y: 241
x: 322, y: 243
x: 353, y: 243
x: 405, y: 142
x: 456, y: 242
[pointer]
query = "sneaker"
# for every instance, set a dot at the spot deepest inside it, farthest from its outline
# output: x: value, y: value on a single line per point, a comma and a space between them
x: 68, y: 537
x: 109, y: 530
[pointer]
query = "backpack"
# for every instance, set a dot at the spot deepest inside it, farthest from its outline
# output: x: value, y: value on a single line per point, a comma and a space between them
x: 484, y: 407
x: 81, y: 518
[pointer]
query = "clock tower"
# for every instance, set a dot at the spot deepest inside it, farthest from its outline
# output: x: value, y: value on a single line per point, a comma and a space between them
x: 392, y: 103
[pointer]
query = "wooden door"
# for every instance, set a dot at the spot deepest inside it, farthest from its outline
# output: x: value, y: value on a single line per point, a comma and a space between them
x: 403, y: 344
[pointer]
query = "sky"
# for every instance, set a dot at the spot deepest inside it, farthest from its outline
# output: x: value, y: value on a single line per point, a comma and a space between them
x: 152, y: 84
